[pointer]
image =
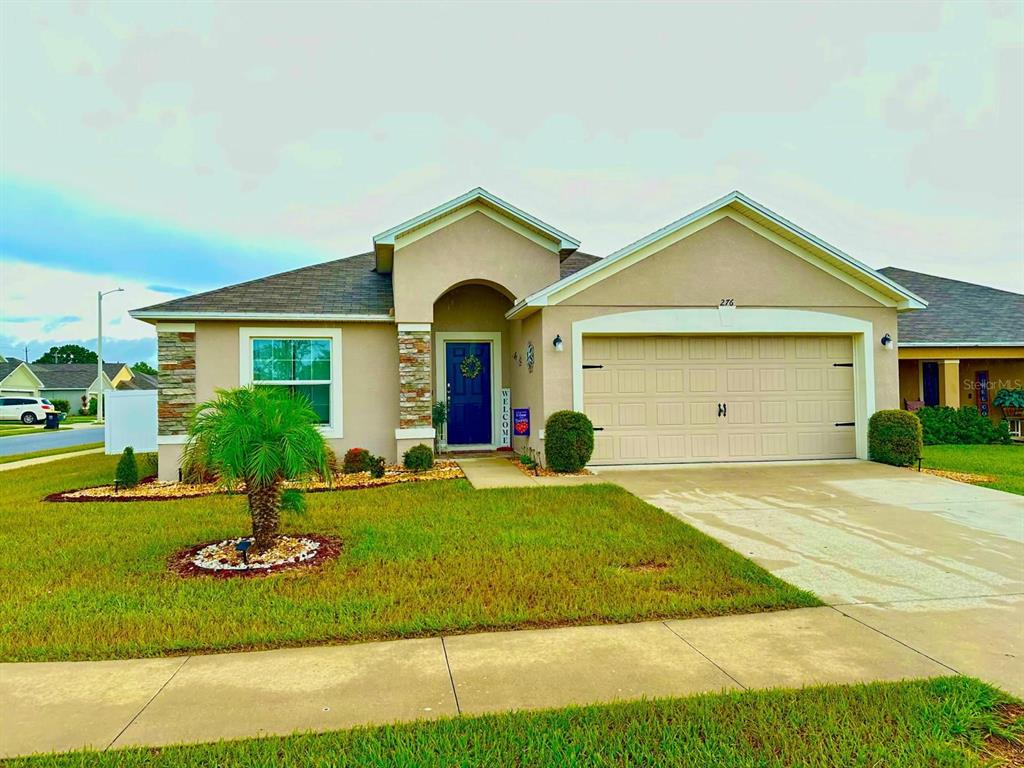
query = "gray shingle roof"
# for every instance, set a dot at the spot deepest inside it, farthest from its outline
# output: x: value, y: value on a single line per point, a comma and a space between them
x: 348, y: 286
x: 71, y: 375
x: 140, y: 381
x: 574, y: 262
x: 958, y: 312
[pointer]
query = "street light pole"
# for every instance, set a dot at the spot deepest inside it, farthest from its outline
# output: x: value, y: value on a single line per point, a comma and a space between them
x: 99, y: 351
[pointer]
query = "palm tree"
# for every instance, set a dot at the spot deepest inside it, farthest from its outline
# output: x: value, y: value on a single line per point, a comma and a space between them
x: 257, y: 437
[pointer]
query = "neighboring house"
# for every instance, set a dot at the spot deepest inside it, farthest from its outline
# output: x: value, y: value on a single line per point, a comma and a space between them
x: 16, y: 378
x: 728, y: 335
x: 966, y: 346
x: 74, y: 382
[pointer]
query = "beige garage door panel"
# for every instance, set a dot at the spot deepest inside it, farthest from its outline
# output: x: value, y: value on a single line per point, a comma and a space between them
x: 657, y: 398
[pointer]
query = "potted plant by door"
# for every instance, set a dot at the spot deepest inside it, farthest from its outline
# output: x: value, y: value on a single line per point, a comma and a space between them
x: 1011, y: 401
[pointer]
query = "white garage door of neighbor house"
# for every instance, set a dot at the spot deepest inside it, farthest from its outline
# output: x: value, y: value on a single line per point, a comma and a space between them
x: 719, y: 398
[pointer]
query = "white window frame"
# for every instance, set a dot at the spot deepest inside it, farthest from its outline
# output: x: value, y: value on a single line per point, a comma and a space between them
x: 246, y: 335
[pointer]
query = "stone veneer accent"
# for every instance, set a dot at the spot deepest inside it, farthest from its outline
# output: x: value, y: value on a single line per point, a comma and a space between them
x: 176, y: 391
x: 414, y: 379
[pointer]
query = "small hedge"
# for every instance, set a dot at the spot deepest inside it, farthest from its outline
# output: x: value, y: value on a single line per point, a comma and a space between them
x: 376, y: 466
x: 61, y: 405
x: 419, y: 458
x: 894, y: 437
x: 568, y: 441
x: 356, y: 460
x: 942, y: 425
x: 127, y: 473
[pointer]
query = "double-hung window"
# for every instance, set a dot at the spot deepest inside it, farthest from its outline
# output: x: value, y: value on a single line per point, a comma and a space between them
x: 302, y: 366
x: 304, y: 360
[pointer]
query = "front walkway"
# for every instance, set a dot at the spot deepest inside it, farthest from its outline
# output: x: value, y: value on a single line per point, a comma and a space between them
x: 486, y: 472
x: 108, y: 704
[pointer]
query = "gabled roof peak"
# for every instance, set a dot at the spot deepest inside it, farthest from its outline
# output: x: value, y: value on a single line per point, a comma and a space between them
x: 384, y: 243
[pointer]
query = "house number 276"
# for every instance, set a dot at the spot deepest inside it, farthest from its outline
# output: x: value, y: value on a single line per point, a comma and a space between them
x: 727, y: 303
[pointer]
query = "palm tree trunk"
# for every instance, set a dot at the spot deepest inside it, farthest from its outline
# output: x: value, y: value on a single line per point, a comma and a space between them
x: 265, y: 509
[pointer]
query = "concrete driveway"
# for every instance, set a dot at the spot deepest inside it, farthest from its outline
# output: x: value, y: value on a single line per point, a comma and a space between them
x: 933, y: 563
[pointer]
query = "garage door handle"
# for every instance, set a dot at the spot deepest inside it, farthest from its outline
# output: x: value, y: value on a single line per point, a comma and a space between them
x: 723, y: 409
x: 599, y: 429
x: 587, y: 367
x: 846, y: 423
x: 842, y: 365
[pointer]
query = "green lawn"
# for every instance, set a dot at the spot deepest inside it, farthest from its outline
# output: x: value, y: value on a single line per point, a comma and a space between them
x: 88, y: 580
x: 1004, y: 462
x: 944, y: 722
x: 48, y: 452
x: 13, y: 428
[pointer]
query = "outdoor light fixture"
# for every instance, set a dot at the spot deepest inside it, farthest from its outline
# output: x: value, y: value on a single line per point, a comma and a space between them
x: 887, y: 341
x: 557, y: 343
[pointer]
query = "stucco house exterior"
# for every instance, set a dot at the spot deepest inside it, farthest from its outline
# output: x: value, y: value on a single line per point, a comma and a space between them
x: 963, y: 348
x: 730, y: 334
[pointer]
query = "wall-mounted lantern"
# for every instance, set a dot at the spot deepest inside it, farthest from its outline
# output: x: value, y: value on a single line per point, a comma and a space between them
x: 557, y: 344
x: 887, y: 341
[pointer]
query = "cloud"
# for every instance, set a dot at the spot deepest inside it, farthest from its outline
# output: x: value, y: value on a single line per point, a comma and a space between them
x: 114, y: 350
x: 72, y: 296
x: 169, y: 289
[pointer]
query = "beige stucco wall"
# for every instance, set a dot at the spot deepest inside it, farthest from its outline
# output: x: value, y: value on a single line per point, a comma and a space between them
x: 369, y: 380
x: 527, y: 386
x: 724, y: 260
x: 20, y: 382
x: 475, y: 248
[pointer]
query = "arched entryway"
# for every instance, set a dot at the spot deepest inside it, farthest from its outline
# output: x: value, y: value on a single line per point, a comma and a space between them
x: 471, y: 363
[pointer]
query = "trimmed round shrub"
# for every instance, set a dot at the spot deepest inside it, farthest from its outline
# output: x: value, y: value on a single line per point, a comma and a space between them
x: 418, y: 458
x: 568, y: 441
x: 356, y: 460
x: 127, y: 473
x: 894, y: 437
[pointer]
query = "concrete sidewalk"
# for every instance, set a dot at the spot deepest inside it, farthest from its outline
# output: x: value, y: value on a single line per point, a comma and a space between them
x: 486, y: 472
x: 62, y: 706
x: 46, y: 459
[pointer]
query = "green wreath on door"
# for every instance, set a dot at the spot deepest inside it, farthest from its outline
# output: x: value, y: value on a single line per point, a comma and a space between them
x: 470, y: 366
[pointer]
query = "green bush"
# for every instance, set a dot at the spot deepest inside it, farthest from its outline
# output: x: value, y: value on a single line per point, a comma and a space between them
x: 356, y: 460
x: 376, y: 466
x: 88, y: 409
x: 127, y: 473
x: 61, y: 405
x: 942, y: 425
x: 418, y: 458
x: 568, y: 441
x: 894, y: 437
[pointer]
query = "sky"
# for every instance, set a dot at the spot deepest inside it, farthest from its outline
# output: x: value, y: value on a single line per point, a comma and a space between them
x: 169, y: 148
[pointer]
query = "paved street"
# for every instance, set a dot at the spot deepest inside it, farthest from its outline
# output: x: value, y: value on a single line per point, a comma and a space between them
x: 61, y: 438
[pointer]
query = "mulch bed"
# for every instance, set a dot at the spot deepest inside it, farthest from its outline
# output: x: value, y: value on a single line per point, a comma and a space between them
x: 153, y: 490
x: 538, y: 471
x: 962, y: 477
x: 183, y: 563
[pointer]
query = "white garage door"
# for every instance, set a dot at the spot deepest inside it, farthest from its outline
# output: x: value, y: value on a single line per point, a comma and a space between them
x: 719, y: 398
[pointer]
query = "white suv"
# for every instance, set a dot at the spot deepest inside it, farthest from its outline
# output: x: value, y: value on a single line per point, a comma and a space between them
x: 27, y: 410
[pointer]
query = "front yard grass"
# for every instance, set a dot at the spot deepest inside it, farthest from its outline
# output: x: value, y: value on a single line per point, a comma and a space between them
x: 1004, y: 462
x: 941, y: 722
x: 48, y: 452
x: 89, y: 580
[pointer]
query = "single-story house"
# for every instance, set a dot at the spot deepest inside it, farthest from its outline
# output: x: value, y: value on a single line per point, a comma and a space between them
x: 730, y: 334
x: 74, y: 382
x: 963, y: 348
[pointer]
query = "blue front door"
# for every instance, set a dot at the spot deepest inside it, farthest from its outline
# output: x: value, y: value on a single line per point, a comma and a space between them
x: 469, y: 392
